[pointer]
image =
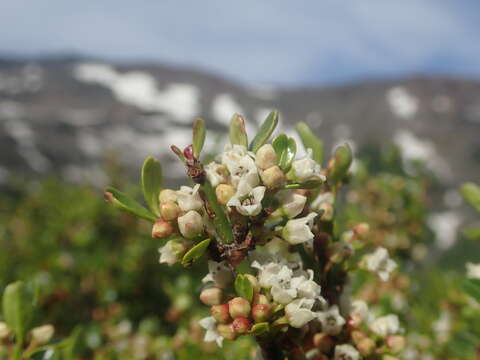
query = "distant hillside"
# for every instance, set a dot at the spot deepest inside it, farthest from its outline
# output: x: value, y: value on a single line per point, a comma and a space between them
x: 69, y: 116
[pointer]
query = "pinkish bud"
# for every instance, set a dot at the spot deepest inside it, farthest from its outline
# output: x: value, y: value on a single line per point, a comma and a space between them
x: 188, y: 152
x: 323, y: 342
x: 266, y: 157
x: 169, y: 210
x: 273, y: 177
x: 161, y: 229
x: 167, y: 195
x: 261, y: 312
x: 211, y: 296
x: 224, y: 193
x: 239, y: 307
x: 241, y: 325
x: 220, y: 313
x: 260, y: 299
x: 396, y: 343
x: 366, y: 346
x: 361, y: 229
x: 327, y: 211
x: 227, y: 331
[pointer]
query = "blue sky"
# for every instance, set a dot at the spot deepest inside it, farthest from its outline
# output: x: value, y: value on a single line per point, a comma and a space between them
x: 271, y: 41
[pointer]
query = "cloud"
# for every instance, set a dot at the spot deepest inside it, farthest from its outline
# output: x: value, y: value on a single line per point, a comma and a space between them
x: 274, y: 41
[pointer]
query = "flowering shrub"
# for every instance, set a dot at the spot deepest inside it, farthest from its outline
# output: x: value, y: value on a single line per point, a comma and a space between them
x: 278, y: 265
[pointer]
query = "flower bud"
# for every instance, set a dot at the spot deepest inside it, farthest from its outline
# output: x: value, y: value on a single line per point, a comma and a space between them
x: 266, y: 157
x: 220, y: 313
x: 366, y: 346
x: 190, y: 224
x: 323, y: 342
x: 211, y: 296
x: 239, y: 307
x: 4, y: 331
x: 241, y: 325
x: 224, y: 193
x: 161, y: 229
x: 253, y: 281
x: 261, y: 312
x: 361, y: 229
x: 396, y: 343
x: 226, y: 331
x: 42, y: 334
x: 173, y: 251
x: 169, y: 210
x: 167, y: 195
x: 327, y: 211
x: 273, y: 177
x: 260, y: 299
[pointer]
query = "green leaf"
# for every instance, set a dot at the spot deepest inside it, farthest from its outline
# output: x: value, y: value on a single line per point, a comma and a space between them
x: 259, y: 329
x: 198, y: 137
x: 221, y: 222
x: 125, y: 203
x: 152, y: 183
x: 310, y: 141
x: 342, y: 160
x: 18, y: 309
x: 472, y: 288
x: 238, y: 134
x: 72, y: 344
x: 243, y: 287
x: 285, y: 148
x: 265, y: 131
x: 472, y: 233
x: 310, y: 184
x: 471, y: 194
x: 195, y: 252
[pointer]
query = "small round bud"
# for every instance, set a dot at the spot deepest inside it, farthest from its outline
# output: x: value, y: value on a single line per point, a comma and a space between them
x: 161, y: 229
x: 239, y: 307
x: 327, y: 211
x: 226, y: 331
x: 211, y: 296
x: 241, y: 325
x: 323, y: 342
x: 4, y: 331
x: 261, y: 312
x: 260, y: 299
x: 266, y: 157
x: 42, y: 334
x: 188, y: 152
x: 220, y: 313
x: 273, y: 177
x: 169, y: 210
x: 190, y: 224
x: 167, y: 195
x: 224, y: 193
x: 253, y: 281
x: 361, y: 229
x: 358, y: 336
x: 366, y: 346
x: 396, y: 343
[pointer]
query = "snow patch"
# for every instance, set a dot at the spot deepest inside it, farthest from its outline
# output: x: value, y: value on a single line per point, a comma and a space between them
x: 139, y: 89
x: 402, y: 103
x: 223, y: 107
x: 445, y: 226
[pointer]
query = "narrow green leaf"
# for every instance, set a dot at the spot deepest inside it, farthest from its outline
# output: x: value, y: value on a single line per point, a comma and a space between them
x: 18, y: 309
x: 286, y: 149
x: 311, y: 184
x: 342, y: 160
x: 125, y: 203
x: 472, y: 288
x: 195, y: 252
x: 221, y: 222
x: 198, y: 139
x: 73, y: 343
x: 152, y: 183
x: 279, y: 144
x: 259, y: 329
x: 265, y: 131
x: 243, y: 287
x: 471, y: 194
x: 310, y: 141
x: 237, y: 132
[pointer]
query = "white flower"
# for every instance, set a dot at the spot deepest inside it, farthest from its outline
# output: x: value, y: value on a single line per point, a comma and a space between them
x: 246, y: 200
x: 331, y: 320
x: 385, y: 325
x: 219, y: 273
x: 298, y: 231
x: 473, y: 270
x: 346, y: 352
x: 190, y: 224
x: 241, y: 165
x: 358, y: 311
x: 307, y: 169
x: 299, y: 312
x: 278, y: 278
x: 211, y: 334
x: 291, y: 204
x: 322, y: 198
x: 188, y: 198
x: 307, y: 288
x: 380, y: 263
x: 215, y: 173
x: 171, y: 252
